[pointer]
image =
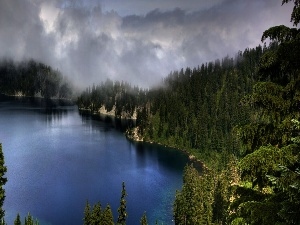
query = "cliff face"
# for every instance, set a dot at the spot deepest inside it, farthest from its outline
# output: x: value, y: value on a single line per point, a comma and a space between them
x: 113, y: 112
x: 133, y: 135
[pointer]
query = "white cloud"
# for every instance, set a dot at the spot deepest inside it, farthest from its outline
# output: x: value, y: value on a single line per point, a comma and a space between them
x: 90, y: 42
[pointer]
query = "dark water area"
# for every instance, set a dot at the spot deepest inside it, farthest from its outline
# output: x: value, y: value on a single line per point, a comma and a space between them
x: 57, y: 159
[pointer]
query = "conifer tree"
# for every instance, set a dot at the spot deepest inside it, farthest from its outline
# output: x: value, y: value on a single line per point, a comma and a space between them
x: 17, y: 220
x: 96, y: 214
x: 87, y: 219
x: 193, y: 205
x: 143, y: 220
x: 107, y: 218
x: 30, y: 221
x: 270, y: 167
x: 122, y: 208
x: 3, y: 181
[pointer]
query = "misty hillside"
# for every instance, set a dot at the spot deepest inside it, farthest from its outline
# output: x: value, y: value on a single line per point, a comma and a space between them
x: 33, y: 79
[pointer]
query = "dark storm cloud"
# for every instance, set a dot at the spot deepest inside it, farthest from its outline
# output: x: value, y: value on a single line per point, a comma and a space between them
x: 89, y: 42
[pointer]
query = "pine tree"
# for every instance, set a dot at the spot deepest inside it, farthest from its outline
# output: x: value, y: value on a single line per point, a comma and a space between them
x: 193, y: 205
x: 122, y: 208
x: 269, y: 191
x: 17, y: 220
x: 107, y: 218
x: 96, y: 214
x: 143, y: 220
x: 87, y: 219
x: 3, y: 181
x: 30, y: 221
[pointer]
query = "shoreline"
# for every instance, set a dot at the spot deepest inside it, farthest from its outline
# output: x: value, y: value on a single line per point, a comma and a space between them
x: 130, y: 134
x: 103, y: 112
x: 134, y: 137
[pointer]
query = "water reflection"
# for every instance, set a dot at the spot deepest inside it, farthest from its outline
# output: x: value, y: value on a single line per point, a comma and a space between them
x: 64, y: 158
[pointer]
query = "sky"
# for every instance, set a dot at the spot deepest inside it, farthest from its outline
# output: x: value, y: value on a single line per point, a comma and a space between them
x: 138, y: 41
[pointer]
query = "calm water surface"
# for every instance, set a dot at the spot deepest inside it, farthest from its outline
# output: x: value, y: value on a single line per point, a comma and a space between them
x: 58, y: 159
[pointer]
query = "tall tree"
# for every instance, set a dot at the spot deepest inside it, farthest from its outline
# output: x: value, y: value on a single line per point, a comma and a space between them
x: 193, y: 204
x: 122, y: 208
x: 3, y: 181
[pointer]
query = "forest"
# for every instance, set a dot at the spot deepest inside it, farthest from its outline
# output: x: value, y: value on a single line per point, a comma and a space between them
x: 238, y: 115
x: 33, y: 79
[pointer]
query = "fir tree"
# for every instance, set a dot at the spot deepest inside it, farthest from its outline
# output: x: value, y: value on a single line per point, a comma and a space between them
x: 87, y: 219
x: 3, y: 181
x: 193, y: 205
x: 30, y: 221
x: 143, y: 220
x: 122, y: 208
x: 96, y: 214
x: 269, y: 190
x: 17, y: 220
x: 107, y: 218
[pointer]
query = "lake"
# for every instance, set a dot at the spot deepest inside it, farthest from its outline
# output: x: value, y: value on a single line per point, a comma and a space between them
x: 57, y: 159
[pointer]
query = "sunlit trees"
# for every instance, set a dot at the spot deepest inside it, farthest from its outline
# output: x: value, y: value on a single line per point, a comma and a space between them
x: 193, y: 204
x: 269, y: 190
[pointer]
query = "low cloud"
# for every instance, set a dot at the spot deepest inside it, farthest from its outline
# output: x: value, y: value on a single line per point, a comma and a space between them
x: 90, y: 43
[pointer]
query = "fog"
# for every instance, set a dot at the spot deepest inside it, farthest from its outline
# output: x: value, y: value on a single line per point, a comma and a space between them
x: 135, y: 41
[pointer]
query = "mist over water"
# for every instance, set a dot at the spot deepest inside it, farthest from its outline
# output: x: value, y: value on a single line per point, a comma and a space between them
x: 57, y: 159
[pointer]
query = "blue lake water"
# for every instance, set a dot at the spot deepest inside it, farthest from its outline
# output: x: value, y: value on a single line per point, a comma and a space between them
x: 58, y: 159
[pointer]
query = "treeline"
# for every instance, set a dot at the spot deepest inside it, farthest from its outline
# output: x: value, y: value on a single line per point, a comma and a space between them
x: 120, y: 97
x: 197, y: 108
x: 194, y: 109
x: 34, y: 79
x: 263, y: 187
x: 97, y: 216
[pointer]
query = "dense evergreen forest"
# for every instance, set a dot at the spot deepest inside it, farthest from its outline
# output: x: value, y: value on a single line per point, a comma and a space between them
x: 33, y: 79
x: 239, y: 115
x: 194, y: 109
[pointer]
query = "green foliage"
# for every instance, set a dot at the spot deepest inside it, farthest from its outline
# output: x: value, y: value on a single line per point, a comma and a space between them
x: 295, y: 17
x: 29, y: 220
x: 271, y: 139
x: 96, y: 217
x: 121, y: 97
x: 87, y: 219
x: 193, y: 204
x: 17, y: 220
x: 122, y: 208
x: 143, y: 220
x: 107, y: 216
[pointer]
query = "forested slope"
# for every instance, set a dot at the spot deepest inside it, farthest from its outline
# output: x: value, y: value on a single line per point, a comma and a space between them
x: 33, y: 79
x: 194, y: 109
